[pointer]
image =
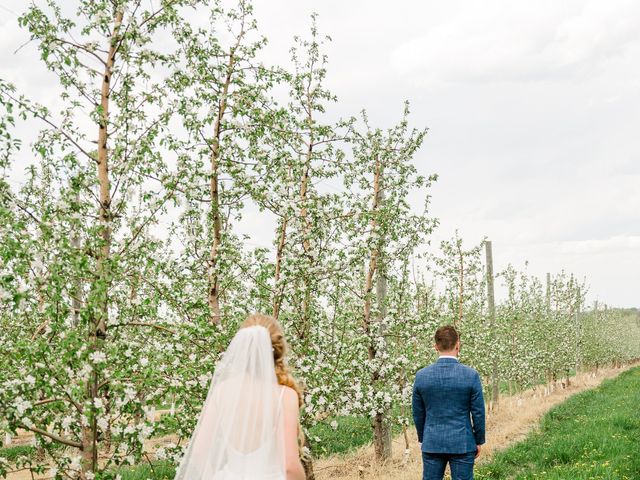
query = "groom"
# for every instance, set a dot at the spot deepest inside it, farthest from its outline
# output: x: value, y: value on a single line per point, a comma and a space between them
x: 448, y: 410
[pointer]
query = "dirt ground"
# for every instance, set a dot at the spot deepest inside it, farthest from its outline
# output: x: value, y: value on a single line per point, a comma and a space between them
x: 507, y: 423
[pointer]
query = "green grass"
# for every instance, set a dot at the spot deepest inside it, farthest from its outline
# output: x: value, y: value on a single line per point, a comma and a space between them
x: 352, y: 432
x: 594, y: 435
x: 12, y: 453
x: 160, y: 471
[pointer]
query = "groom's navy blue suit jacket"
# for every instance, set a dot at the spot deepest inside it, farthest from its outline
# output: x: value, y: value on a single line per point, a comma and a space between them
x: 448, y: 407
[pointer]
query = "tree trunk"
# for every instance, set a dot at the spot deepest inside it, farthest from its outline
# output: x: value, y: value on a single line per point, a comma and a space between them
x: 382, y: 437
x: 76, y: 298
x: 381, y: 430
x: 214, y: 283
x: 306, y: 242
x: 278, y: 291
x: 216, y: 215
x: 98, y: 334
x: 373, y: 258
x: 306, y: 245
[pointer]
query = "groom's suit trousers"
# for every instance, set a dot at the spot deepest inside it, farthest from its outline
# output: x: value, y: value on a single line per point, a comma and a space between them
x: 461, y: 465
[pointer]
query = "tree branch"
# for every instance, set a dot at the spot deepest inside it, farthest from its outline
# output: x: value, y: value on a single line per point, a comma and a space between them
x: 83, y: 48
x: 36, y: 114
x: 53, y: 436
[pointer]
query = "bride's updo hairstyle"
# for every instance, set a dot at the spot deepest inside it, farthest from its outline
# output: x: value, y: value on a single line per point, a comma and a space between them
x: 279, y: 343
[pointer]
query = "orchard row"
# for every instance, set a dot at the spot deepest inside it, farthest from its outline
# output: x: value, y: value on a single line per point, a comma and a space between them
x: 123, y: 272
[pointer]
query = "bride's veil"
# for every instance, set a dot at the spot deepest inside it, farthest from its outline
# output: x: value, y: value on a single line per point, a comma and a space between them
x: 240, y: 429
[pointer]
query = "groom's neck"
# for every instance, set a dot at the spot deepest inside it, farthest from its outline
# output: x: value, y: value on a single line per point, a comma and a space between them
x: 448, y: 354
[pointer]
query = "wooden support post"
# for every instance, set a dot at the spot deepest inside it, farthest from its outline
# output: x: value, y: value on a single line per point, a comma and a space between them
x: 548, y: 292
x: 578, y: 330
x: 492, y: 320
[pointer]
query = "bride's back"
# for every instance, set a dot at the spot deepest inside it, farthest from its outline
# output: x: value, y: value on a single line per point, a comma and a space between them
x: 240, y: 431
x: 250, y: 412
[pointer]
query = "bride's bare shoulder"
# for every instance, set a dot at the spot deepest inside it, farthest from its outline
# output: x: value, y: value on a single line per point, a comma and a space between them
x: 289, y: 397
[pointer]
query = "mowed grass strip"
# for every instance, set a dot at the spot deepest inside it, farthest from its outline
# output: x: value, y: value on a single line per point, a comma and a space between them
x: 594, y: 435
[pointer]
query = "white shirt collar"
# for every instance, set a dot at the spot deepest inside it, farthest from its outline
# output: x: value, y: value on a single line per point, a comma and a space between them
x: 448, y: 356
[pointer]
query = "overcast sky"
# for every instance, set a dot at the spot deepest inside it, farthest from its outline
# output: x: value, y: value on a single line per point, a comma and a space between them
x: 533, y: 111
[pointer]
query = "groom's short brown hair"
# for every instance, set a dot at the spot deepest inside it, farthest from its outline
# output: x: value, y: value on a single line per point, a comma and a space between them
x: 446, y: 338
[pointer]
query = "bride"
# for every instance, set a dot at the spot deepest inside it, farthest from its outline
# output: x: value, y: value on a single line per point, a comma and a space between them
x: 248, y: 428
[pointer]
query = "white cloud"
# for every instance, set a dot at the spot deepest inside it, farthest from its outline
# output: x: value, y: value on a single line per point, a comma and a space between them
x: 514, y: 40
x: 533, y: 109
x: 620, y: 243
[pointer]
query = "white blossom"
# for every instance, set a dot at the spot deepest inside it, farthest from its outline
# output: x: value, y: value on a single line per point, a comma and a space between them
x: 66, y: 422
x: 161, y: 454
x: 103, y: 423
x: 75, y: 462
x: 203, y: 380
x: 27, y: 421
x: 98, y: 356
x: 21, y: 405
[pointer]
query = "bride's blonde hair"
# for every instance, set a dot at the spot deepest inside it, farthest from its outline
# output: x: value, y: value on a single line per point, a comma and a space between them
x: 279, y: 343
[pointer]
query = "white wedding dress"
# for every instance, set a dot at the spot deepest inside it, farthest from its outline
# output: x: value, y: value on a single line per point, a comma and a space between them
x: 240, y: 432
